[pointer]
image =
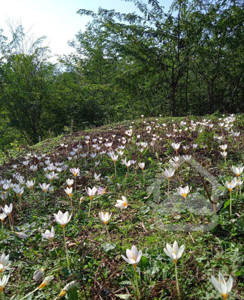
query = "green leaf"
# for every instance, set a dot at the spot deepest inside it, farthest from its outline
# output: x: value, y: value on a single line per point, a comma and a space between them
x: 227, y: 203
x: 72, y: 293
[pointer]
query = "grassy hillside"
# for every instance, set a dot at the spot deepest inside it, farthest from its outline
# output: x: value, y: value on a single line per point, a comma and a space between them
x: 127, y: 162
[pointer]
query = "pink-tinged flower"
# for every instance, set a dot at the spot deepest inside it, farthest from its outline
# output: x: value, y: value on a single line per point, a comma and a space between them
x: 75, y: 171
x: 101, y: 190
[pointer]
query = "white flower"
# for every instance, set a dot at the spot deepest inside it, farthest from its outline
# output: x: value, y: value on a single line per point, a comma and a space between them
x: 2, y: 216
x: 4, y: 261
x: 66, y: 288
x: 183, y: 191
x: 224, y: 154
x: 174, y: 252
x: 70, y: 182
x: 30, y: 184
x: 141, y: 165
x: 7, y: 209
x: 18, y: 190
x: 169, y: 173
x: 3, y: 282
x: 122, y: 203
x: 104, y: 217
x: 238, y: 183
x: 133, y: 256
x: 237, y: 170
x: 62, y: 219
x: 231, y: 184
x: 21, y: 234
x: 175, y: 146
x: 221, y: 285
x: 223, y: 147
x: 68, y: 191
x: 91, y: 192
x: 44, y: 187
x: 49, y: 235
x: 97, y: 177
x: 46, y: 281
x: 186, y: 157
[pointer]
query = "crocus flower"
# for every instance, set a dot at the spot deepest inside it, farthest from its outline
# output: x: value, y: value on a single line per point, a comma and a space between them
x: 75, y: 171
x: 237, y: 170
x: 221, y: 285
x: 3, y: 282
x: 66, y: 288
x: 176, y: 146
x: 169, y: 173
x: 122, y: 203
x: 30, y: 184
x: 4, y: 261
x: 104, y: 217
x: 49, y: 235
x: 68, y: 191
x: 70, y: 182
x: 91, y: 192
x: 18, y: 190
x: 231, y: 184
x: 2, y: 216
x: 133, y: 256
x: 21, y: 234
x: 7, y: 209
x: 46, y: 281
x: 62, y: 218
x: 141, y: 165
x: 174, y: 252
x: 223, y: 147
x: 183, y: 191
x: 44, y: 187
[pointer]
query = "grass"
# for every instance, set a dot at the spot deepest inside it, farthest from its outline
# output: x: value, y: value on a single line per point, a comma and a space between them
x: 149, y: 221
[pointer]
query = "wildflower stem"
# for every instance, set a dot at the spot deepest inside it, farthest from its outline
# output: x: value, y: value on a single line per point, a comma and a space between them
x: 176, y: 277
x: 66, y: 250
x: 11, y: 221
x: 115, y: 171
x: 136, y: 278
x: 230, y: 204
x: 107, y: 229
x: 89, y: 208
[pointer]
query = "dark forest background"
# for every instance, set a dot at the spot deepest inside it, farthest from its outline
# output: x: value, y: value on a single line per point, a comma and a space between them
x: 188, y: 61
